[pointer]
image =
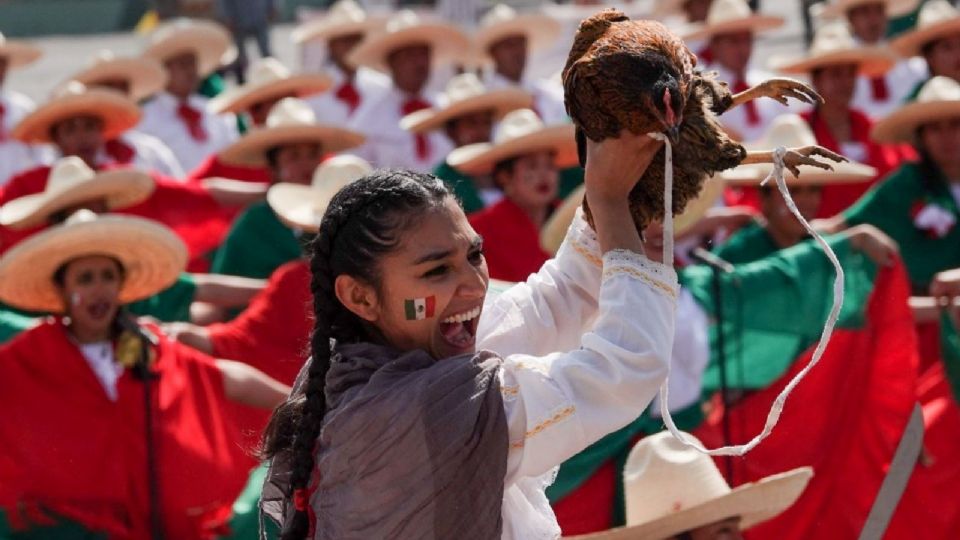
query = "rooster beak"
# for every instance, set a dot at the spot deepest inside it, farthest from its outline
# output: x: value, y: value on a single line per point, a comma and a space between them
x: 673, y: 132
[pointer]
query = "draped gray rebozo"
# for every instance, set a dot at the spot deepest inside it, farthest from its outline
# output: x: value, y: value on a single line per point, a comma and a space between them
x: 410, y: 448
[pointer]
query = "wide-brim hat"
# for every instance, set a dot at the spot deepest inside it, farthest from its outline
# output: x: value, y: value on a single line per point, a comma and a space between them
x: 466, y: 94
x: 895, y: 8
x: 209, y: 41
x: 792, y: 131
x: 671, y: 488
x: 72, y: 182
x: 18, y: 53
x: 268, y: 80
x: 151, y: 254
x: 520, y: 132
x: 731, y: 16
x: 344, y: 18
x: 939, y: 99
x: 290, y: 121
x: 447, y: 42
x: 302, y: 207
x: 937, y: 19
x: 145, y: 76
x: 833, y: 45
x: 502, y: 22
x: 118, y: 112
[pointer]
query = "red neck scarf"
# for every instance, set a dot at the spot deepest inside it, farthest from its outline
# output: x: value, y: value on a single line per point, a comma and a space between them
x: 413, y: 105
x: 879, y: 89
x: 193, y: 120
x: 119, y: 151
x: 348, y: 94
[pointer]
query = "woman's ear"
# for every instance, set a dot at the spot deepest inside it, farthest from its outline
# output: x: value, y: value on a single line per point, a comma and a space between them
x: 357, y: 296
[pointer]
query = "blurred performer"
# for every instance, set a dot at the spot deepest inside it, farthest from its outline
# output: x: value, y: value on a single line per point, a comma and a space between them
x: 14, y: 155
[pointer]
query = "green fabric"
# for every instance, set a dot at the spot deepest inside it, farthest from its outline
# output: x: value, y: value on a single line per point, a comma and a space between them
x: 12, y: 323
x: 245, y: 523
x: 257, y: 244
x: 212, y: 86
x: 950, y: 352
x: 62, y: 530
x: 463, y: 187
x: 171, y: 304
x: 898, y: 25
x: 912, y: 96
x: 570, y: 179
x: 749, y: 244
x: 889, y: 206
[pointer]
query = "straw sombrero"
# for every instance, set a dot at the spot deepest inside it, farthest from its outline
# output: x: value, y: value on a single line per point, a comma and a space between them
x: 895, y: 8
x: 269, y: 80
x: 146, y: 76
x: 72, y: 182
x: 151, y: 254
x: 466, y: 94
x: 939, y: 99
x: 290, y: 121
x: 503, y: 22
x: 447, y: 43
x: 209, y: 41
x: 118, y: 112
x: 937, y: 19
x: 18, y: 53
x: 834, y: 45
x: 792, y: 131
x: 302, y: 207
x: 731, y: 16
x: 671, y: 488
x: 344, y: 18
x: 520, y: 132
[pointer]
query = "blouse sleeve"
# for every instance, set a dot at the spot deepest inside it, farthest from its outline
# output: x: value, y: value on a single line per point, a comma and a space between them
x: 560, y: 403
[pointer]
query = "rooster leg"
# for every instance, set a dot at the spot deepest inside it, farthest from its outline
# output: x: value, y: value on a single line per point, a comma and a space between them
x: 779, y: 89
x: 797, y: 156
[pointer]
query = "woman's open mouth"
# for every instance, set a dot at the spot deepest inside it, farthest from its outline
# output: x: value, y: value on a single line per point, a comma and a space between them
x: 99, y: 309
x: 460, y: 330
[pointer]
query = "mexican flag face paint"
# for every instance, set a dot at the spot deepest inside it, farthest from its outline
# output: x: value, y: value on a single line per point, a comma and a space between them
x: 419, y: 308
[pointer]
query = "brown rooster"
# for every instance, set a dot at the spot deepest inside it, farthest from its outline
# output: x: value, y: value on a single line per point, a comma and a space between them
x: 639, y: 76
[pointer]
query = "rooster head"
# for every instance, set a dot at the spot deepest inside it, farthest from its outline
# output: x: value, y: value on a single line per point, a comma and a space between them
x: 665, y: 100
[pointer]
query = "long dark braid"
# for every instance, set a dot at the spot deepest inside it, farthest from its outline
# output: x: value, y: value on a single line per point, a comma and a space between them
x: 363, y: 222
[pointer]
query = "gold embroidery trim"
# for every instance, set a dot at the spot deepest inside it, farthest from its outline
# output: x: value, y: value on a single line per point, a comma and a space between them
x: 655, y: 283
x: 509, y: 391
x: 585, y: 252
x: 559, y: 416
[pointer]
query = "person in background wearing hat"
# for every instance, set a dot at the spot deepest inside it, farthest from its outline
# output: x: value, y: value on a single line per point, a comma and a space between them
x: 408, y: 50
x: 246, y: 18
x: 178, y: 115
x: 336, y: 35
x: 73, y: 444
x: 936, y: 38
x: 467, y: 114
x: 680, y: 14
x: 15, y: 156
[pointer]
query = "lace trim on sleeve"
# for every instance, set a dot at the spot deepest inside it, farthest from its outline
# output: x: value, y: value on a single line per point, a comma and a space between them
x: 661, y: 277
x: 582, y: 239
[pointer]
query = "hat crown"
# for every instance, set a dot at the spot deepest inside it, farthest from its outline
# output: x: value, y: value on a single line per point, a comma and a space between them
x: 291, y: 112
x: 939, y: 88
x: 333, y: 174
x: 71, y: 88
x: 346, y: 11
x: 499, y: 14
x: 103, y: 56
x: 727, y: 10
x: 936, y: 12
x: 67, y: 172
x: 267, y: 70
x: 517, y: 124
x: 463, y: 87
x: 404, y: 19
x: 787, y: 130
x: 81, y: 216
x: 832, y: 37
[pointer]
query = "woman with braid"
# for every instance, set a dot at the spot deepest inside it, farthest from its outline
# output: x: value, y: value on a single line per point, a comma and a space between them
x: 429, y: 410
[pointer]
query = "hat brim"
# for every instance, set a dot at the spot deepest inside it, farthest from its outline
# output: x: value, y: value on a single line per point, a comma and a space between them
x: 323, y: 30
x: 117, y: 112
x: 754, y: 503
x: 145, y: 75
x: 540, y: 30
x: 901, y: 125
x: 447, y: 43
x: 910, y: 43
x: 752, y: 23
x: 151, y: 254
x: 870, y: 61
x: 19, y: 54
x: 480, y: 158
x: 499, y: 101
x: 120, y: 189
x: 895, y: 8
x: 298, y: 206
x: 242, y: 98
x: 252, y: 148
x: 212, y: 48
x: 842, y: 173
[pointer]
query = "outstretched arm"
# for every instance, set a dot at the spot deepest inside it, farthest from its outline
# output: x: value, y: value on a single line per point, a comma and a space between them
x: 249, y: 386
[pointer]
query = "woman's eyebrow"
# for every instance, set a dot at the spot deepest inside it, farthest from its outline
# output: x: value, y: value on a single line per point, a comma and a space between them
x: 434, y: 256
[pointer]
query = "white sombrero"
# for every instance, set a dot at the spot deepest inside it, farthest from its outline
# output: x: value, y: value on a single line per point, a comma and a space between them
x: 209, y: 41
x: 145, y: 76
x: 269, y: 80
x: 118, y: 112
x: 834, y: 45
x: 302, y: 207
x: 466, y: 94
x: 503, y: 22
x: 447, y: 42
x: 671, y: 488
x: 290, y: 121
x: 151, y: 254
x: 72, y: 182
x: 939, y: 99
x: 520, y: 132
x: 937, y: 19
x: 18, y: 53
x: 731, y: 16
x: 792, y: 131
x: 344, y: 18
x: 895, y: 8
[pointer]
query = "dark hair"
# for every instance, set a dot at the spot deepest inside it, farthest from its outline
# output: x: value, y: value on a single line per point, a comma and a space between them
x: 505, y: 166
x: 60, y: 274
x: 363, y: 222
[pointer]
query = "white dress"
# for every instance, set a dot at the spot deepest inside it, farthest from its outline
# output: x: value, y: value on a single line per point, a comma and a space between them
x: 15, y: 156
x: 161, y: 120
x: 370, y: 85
x: 547, y: 95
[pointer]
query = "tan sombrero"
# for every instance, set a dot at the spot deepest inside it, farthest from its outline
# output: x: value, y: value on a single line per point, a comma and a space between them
x: 18, y: 53
x: 503, y: 22
x: 671, y: 488
x: 731, y: 16
x: 937, y: 19
x: 118, y: 112
x: 520, y: 132
x: 447, y: 42
x: 344, y: 18
x: 290, y: 121
x: 151, y: 254
x: 302, y: 207
x: 939, y: 99
x: 834, y: 45
x: 466, y: 94
x: 269, y: 80
x: 895, y: 8
x: 209, y: 41
x: 792, y: 131
x: 72, y: 182
x: 145, y: 76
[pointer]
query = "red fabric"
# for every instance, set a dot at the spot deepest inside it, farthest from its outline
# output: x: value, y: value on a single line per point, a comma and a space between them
x: 119, y: 151
x: 65, y: 447
x: 213, y: 167
x: 705, y: 56
x: 849, y: 441
x: 193, y: 119
x: 753, y: 115
x: 511, y: 242
x: 879, y: 89
x: 348, y: 94
x: 3, y: 130
x: 410, y: 106
x: 589, y: 508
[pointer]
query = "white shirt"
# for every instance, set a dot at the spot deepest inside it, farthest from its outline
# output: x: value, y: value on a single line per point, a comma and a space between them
x: 585, y: 342
x: 160, y: 119
x: 100, y: 358
x: 901, y: 80
x: 547, y: 95
x: 370, y: 85
x: 15, y: 156
x: 690, y: 355
x: 152, y: 155
x: 767, y: 108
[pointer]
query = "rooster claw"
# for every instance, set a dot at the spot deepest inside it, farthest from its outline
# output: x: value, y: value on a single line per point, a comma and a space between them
x: 780, y: 89
x: 795, y: 157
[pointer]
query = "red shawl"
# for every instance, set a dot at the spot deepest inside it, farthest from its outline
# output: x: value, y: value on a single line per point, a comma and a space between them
x: 511, y: 242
